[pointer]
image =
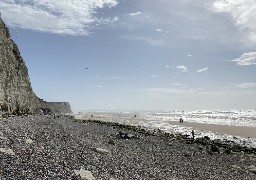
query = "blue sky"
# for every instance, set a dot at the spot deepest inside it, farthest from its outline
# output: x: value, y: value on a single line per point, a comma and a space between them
x: 138, y: 55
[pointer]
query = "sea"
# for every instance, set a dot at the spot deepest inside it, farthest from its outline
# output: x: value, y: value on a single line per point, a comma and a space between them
x: 153, y: 120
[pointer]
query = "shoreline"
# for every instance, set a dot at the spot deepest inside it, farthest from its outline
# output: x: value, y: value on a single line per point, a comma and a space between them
x: 220, y: 130
x: 227, y: 146
x: 242, y: 131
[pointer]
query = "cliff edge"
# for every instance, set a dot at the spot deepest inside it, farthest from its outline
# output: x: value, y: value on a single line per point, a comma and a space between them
x: 16, y: 94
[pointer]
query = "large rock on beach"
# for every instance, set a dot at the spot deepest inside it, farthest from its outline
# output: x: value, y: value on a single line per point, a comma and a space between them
x: 252, y: 168
x: 101, y: 150
x: 7, y: 151
x: 215, y: 149
x: 125, y: 135
x: 29, y: 141
x: 84, y: 174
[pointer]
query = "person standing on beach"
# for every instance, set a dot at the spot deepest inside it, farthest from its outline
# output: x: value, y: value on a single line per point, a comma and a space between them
x: 193, y: 134
x: 181, y: 120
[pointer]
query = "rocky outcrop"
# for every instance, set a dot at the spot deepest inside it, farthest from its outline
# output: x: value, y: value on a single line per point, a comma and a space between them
x: 16, y: 94
x: 57, y: 107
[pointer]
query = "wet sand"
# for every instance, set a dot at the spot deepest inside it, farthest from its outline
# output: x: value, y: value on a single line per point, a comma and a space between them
x: 243, y: 131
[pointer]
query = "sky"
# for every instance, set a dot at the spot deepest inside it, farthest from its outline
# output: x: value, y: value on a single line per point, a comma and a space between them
x: 138, y: 55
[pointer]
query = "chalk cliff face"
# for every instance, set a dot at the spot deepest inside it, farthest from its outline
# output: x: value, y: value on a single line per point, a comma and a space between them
x: 16, y: 94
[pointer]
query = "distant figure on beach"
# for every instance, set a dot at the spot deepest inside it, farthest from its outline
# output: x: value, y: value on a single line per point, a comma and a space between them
x: 135, y: 115
x: 193, y: 134
x: 181, y: 120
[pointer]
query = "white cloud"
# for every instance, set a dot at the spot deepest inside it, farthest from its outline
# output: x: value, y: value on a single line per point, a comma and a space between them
x: 99, y: 86
x: 168, y: 66
x: 115, y: 78
x: 106, y: 20
x: 67, y: 17
x: 170, y: 92
x: 181, y: 86
x: 243, y: 13
x: 246, y: 59
x: 182, y: 68
x: 189, y: 55
x: 202, y: 70
x: 151, y: 41
x: 177, y: 84
x: 135, y: 14
x: 246, y: 85
x: 159, y: 30
x: 154, y: 76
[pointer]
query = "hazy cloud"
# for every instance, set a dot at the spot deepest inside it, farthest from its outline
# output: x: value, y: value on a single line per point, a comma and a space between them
x: 159, y: 30
x: 154, y: 76
x: 148, y: 40
x: 114, y: 78
x: 246, y: 85
x: 70, y: 17
x: 182, y: 68
x: 135, y: 14
x: 246, y: 59
x: 170, y: 92
x: 202, y: 70
x: 189, y: 55
x: 176, y: 84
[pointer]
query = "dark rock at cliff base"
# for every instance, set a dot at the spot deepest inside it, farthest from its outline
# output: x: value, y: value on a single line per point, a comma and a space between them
x: 16, y: 94
x: 125, y: 135
x: 215, y: 149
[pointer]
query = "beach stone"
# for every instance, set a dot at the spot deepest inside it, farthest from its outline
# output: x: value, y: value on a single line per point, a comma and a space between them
x: 253, y: 158
x: 207, y: 138
x: 187, y: 155
x: 235, y: 166
x: 188, y: 141
x: 252, y: 168
x: 210, y: 152
x: 201, y: 141
x: 3, y: 138
x: 228, y: 151
x: 185, y: 136
x: 7, y: 151
x: 111, y: 141
x: 102, y: 151
x: 241, y: 160
x: 84, y: 174
x: 29, y: 141
x: 200, y: 148
x: 130, y: 136
x: 124, y: 135
x: 215, y: 149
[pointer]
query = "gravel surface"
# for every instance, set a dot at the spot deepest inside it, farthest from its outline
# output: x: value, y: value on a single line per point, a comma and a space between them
x: 41, y: 147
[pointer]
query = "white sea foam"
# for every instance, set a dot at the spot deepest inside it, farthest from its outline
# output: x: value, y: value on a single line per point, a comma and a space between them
x: 162, y: 120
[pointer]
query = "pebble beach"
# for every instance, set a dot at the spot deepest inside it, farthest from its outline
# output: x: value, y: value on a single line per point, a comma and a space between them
x: 48, y: 147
